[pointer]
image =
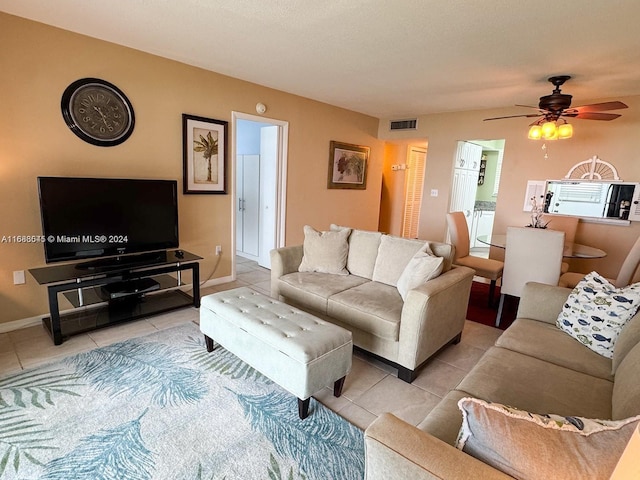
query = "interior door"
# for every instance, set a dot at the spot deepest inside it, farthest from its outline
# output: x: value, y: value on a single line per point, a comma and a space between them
x: 268, y: 192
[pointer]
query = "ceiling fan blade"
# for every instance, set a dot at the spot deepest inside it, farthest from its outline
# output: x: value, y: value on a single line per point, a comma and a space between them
x: 592, y: 115
x: 514, y: 116
x: 527, y: 106
x: 600, y: 107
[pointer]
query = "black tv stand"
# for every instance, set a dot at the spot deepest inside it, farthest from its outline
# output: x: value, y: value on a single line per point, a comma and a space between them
x: 123, y: 261
x: 90, y: 292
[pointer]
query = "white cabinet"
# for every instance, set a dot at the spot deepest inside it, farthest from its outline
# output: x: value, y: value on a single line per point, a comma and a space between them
x: 482, y: 225
x: 468, y: 156
x: 463, y: 193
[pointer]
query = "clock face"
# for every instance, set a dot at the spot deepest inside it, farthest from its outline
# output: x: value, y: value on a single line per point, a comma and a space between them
x: 98, y: 112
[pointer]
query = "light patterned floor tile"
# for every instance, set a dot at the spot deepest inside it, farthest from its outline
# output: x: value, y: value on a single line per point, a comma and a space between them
x: 404, y: 400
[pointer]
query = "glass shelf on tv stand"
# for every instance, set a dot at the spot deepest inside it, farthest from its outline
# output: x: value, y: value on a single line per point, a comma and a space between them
x: 92, y: 311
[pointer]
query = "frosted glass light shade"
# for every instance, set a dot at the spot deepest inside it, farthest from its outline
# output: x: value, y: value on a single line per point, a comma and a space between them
x: 565, y: 130
x: 535, y: 132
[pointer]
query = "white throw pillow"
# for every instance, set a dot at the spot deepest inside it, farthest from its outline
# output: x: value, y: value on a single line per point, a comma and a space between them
x: 596, y: 311
x: 421, y: 268
x: 532, y: 446
x: 325, y: 252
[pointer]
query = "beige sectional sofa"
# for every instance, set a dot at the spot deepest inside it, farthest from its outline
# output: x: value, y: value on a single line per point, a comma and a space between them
x: 366, y: 301
x: 533, y: 366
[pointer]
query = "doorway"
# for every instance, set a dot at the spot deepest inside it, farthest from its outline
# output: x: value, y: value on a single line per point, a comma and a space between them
x: 259, y: 161
x: 475, y: 185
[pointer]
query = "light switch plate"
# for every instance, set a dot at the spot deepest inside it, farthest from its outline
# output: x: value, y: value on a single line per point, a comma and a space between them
x: 434, y: 192
x: 18, y: 277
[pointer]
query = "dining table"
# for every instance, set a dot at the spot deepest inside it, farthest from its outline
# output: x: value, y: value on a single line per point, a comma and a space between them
x: 571, y: 249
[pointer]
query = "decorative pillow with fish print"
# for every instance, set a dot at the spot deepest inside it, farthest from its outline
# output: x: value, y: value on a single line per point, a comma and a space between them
x: 596, y: 311
x: 531, y: 446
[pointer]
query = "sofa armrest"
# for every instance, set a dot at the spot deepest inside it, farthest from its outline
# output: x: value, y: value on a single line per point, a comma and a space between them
x: 542, y: 302
x: 396, y: 450
x: 433, y: 314
x: 284, y: 260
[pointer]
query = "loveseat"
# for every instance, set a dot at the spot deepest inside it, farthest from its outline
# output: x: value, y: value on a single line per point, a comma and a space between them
x: 538, y: 368
x: 361, y: 294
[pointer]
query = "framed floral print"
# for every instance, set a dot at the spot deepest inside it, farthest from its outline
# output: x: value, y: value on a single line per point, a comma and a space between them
x: 347, y: 166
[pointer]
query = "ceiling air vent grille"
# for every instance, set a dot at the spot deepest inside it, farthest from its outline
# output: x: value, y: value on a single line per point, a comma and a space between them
x: 411, y: 124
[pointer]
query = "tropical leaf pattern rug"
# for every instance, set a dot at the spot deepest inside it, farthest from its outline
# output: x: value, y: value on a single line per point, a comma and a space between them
x: 161, y: 407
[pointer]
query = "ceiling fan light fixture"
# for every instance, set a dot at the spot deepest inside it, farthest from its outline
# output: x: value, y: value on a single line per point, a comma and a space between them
x: 535, y: 132
x: 549, y: 130
x: 565, y: 131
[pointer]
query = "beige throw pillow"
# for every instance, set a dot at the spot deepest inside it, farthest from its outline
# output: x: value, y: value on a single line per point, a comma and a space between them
x: 529, y: 446
x: 421, y: 268
x: 325, y: 252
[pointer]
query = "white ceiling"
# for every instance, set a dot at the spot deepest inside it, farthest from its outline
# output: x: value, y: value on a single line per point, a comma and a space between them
x: 386, y: 58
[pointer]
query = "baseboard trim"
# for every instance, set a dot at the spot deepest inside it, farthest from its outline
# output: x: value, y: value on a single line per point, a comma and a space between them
x: 22, y: 323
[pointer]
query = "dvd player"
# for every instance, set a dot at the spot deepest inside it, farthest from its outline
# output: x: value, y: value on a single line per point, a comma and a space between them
x: 126, y: 288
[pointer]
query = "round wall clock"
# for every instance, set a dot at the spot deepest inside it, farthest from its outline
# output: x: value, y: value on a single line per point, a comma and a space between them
x: 98, y: 112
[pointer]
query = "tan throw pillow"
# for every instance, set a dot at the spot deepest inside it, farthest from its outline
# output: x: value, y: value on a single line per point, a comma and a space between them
x: 421, y: 268
x: 325, y: 252
x: 529, y: 446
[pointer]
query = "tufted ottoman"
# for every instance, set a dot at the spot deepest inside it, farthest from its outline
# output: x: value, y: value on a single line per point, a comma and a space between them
x: 298, y: 351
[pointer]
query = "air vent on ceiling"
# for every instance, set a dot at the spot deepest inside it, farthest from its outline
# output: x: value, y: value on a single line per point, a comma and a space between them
x: 411, y: 124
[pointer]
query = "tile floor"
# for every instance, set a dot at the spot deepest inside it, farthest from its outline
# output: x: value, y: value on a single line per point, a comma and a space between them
x: 370, y: 389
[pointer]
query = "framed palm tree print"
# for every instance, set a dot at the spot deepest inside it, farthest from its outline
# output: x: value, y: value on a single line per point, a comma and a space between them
x: 204, y: 155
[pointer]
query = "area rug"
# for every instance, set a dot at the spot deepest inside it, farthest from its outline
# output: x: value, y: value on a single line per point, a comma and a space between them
x: 479, y: 311
x: 161, y: 407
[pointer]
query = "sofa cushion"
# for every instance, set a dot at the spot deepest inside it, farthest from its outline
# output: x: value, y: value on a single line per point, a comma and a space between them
x: 535, y: 385
x: 313, y: 289
x: 522, y: 444
x: 363, y: 250
x: 596, y: 311
x: 629, y: 337
x: 545, y: 341
x: 422, y: 267
x: 325, y: 252
x: 394, y: 254
x: 625, y: 400
x: 445, y: 419
x: 373, y: 307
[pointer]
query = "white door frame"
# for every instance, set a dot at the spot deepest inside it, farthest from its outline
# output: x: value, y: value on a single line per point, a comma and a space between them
x: 281, y: 178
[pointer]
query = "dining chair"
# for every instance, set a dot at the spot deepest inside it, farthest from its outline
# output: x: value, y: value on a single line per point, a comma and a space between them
x: 568, y: 225
x: 625, y: 275
x: 531, y: 255
x: 484, y: 267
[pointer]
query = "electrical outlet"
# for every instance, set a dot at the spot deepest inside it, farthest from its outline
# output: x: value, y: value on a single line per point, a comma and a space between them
x: 434, y: 192
x: 218, y: 250
x: 18, y: 277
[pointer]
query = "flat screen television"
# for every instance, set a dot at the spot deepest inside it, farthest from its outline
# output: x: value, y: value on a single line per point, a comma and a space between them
x: 106, y: 217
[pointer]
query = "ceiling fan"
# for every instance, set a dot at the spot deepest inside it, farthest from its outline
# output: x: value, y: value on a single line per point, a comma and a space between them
x: 557, y: 106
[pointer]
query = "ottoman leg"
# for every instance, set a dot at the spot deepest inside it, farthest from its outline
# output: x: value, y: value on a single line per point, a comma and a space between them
x: 303, y: 408
x: 209, y: 343
x: 337, y: 386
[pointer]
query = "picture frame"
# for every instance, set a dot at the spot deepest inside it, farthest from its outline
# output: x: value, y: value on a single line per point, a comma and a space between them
x: 204, y: 143
x: 347, y: 166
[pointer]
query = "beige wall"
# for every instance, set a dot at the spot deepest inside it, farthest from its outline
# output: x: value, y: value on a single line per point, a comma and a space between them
x: 613, y: 141
x: 38, y: 62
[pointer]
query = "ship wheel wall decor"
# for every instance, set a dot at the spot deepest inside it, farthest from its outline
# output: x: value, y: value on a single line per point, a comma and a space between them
x: 593, y: 169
